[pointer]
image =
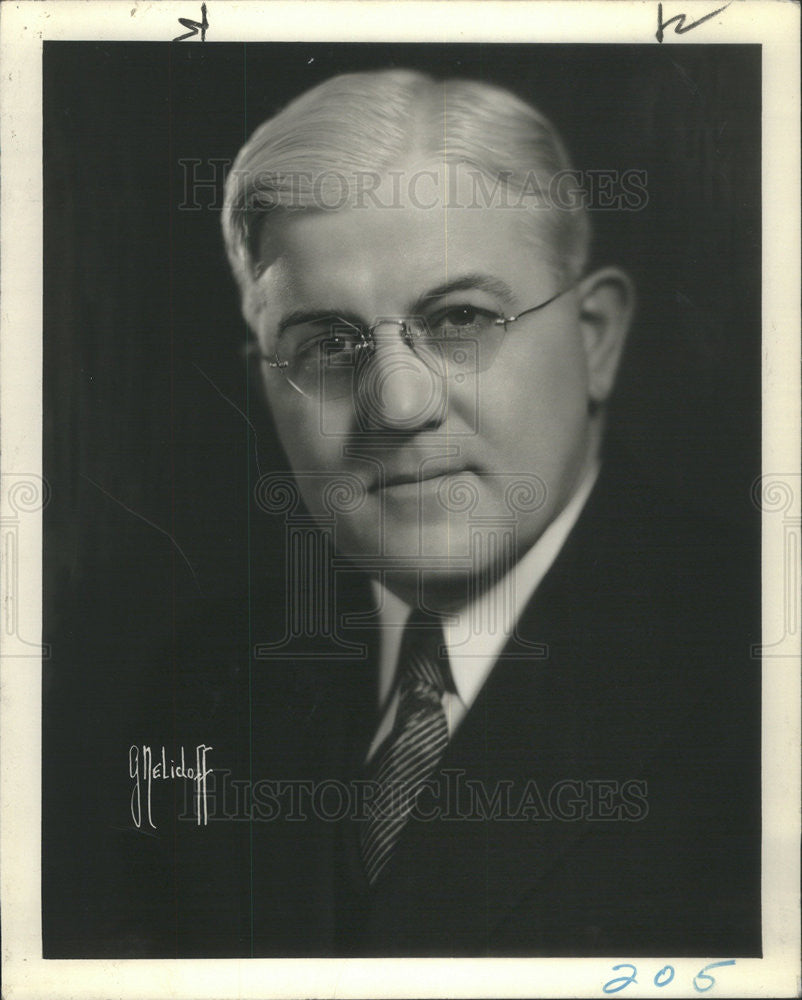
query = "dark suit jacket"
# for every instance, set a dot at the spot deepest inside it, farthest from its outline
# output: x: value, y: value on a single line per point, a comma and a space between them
x: 626, y: 764
x: 648, y: 706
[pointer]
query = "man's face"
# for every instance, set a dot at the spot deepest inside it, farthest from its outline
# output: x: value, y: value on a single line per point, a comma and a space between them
x: 433, y: 461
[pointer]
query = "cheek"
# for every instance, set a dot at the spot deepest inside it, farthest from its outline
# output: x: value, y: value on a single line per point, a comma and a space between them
x: 297, y: 425
x: 315, y: 458
x: 540, y: 386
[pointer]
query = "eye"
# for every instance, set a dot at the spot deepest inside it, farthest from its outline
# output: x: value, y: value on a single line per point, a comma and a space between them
x: 340, y: 343
x: 461, y: 316
x: 328, y: 348
x: 459, y: 320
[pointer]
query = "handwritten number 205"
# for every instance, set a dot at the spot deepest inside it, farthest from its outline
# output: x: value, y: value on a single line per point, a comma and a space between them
x: 702, y: 981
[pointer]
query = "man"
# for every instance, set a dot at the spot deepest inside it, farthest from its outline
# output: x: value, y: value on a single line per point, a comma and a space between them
x: 550, y: 746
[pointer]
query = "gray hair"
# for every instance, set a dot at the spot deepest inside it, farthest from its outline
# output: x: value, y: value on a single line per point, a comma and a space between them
x: 372, y: 122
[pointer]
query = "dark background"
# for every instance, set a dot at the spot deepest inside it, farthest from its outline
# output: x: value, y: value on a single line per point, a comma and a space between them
x: 154, y: 434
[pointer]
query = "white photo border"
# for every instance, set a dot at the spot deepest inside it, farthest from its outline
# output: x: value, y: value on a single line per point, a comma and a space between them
x: 23, y: 29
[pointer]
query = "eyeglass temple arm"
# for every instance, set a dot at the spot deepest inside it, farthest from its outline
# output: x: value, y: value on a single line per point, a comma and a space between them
x: 503, y: 320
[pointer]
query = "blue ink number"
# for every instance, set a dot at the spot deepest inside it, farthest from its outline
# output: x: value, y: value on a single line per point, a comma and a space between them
x: 704, y: 975
x: 621, y: 983
x: 664, y: 977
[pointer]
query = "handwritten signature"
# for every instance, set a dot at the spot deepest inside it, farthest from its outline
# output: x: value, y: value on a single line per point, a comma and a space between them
x: 145, y: 767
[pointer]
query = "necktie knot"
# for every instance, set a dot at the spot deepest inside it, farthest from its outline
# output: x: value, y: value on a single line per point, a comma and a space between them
x: 424, y: 671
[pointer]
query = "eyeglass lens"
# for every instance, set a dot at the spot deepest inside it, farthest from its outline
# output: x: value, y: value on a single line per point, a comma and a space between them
x: 327, y: 358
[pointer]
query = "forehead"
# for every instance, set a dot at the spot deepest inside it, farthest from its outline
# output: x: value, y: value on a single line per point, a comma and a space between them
x: 418, y: 229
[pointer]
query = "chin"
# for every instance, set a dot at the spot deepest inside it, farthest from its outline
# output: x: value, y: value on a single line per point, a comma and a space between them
x: 445, y: 545
x: 450, y: 558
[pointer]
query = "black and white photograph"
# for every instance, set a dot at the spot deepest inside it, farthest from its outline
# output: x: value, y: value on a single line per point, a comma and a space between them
x: 418, y: 564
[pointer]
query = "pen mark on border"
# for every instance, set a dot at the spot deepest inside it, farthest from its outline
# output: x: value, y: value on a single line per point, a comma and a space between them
x: 194, y: 26
x: 681, y: 28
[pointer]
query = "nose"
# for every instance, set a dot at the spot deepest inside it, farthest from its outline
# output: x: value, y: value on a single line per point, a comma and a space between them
x: 396, y: 390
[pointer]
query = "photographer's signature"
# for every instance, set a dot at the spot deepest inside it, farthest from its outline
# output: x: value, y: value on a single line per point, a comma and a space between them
x: 148, y: 764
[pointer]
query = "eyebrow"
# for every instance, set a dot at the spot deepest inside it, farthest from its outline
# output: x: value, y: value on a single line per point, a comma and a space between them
x: 298, y: 316
x: 466, y: 282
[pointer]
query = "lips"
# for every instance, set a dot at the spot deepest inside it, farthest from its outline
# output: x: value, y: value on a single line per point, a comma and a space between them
x: 429, y: 471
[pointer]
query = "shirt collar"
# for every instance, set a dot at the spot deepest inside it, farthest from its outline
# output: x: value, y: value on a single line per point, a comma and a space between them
x: 480, y: 631
x: 476, y: 635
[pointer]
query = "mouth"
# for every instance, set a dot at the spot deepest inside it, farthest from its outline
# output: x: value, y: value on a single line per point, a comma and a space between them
x: 432, y: 476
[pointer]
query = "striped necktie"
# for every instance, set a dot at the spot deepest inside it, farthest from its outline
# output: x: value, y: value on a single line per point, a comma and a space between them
x: 416, y: 744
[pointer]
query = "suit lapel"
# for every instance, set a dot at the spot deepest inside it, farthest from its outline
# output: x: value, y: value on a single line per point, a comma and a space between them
x: 594, y: 709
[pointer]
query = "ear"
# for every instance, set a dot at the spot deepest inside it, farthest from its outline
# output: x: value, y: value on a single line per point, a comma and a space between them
x: 606, y: 307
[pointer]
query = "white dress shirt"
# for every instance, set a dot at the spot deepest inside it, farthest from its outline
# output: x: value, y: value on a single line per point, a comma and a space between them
x: 473, y: 648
